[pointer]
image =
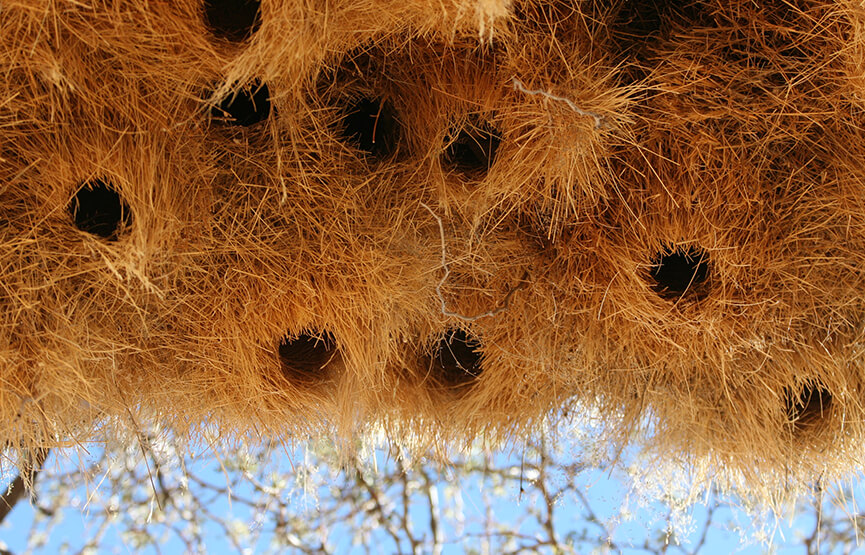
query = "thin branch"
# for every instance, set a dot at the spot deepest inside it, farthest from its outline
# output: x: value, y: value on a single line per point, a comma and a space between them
x: 812, y: 543
x: 593, y: 517
x: 432, y: 499
x: 549, y: 500
x: 505, y: 303
x: 23, y: 482
x: 406, y: 505
x: 599, y: 119
x: 139, y: 436
x: 379, y: 508
x: 709, y: 516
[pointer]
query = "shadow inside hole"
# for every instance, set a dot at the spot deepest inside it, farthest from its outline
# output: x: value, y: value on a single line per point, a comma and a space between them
x: 456, y: 360
x: 371, y: 125
x: 473, y: 150
x: 641, y: 20
x: 304, y: 358
x: 680, y: 272
x: 808, y: 407
x: 98, y: 209
x: 232, y: 20
x: 246, y: 107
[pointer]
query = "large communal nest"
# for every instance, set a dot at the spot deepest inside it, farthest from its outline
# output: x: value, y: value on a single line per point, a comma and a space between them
x: 441, y: 220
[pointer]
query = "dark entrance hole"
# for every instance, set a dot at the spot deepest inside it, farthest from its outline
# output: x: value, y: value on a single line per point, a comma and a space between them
x: 98, y: 209
x: 684, y: 270
x: 371, y: 125
x: 473, y: 151
x: 304, y: 358
x: 232, y: 20
x: 457, y: 359
x: 808, y: 406
x: 246, y: 107
x: 639, y: 20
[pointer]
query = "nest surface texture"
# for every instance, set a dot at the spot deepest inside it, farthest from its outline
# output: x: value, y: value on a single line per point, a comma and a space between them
x: 444, y: 220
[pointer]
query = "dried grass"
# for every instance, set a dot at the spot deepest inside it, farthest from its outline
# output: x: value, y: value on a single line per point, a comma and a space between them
x: 368, y: 207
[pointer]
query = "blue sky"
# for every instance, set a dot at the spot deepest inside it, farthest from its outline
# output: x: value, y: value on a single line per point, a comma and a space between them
x: 608, y: 492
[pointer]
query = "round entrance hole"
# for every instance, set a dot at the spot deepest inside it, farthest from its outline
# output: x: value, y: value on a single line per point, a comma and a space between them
x: 457, y: 359
x: 370, y: 125
x: 305, y: 358
x: 682, y: 271
x: 473, y: 151
x: 246, y: 107
x: 98, y: 209
x: 807, y: 407
x: 232, y: 20
x: 643, y: 19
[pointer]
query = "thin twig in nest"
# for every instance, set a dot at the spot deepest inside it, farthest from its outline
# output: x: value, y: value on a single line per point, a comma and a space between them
x: 501, y: 308
x: 599, y: 119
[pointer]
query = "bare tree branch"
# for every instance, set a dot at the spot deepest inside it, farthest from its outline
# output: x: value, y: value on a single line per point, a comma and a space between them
x: 22, y: 483
x: 503, y: 306
x: 599, y: 119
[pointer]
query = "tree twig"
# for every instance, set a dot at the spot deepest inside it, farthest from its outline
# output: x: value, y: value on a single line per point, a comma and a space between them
x: 23, y: 482
x: 501, y: 308
x: 599, y: 119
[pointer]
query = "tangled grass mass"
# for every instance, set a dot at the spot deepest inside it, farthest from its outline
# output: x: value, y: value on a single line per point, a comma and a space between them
x: 441, y: 220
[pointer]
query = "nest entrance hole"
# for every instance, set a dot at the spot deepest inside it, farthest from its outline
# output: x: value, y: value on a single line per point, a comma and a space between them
x: 304, y: 358
x: 457, y: 359
x: 371, y: 125
x: 807, y: 407
x: 683, y: 271
x: 640, y: 20
x: 473, y: 150
x: 245, y: 107
x: 98, y: 209
x: 232, y: 20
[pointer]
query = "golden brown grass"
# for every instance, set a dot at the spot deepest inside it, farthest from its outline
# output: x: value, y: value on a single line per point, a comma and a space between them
x: 723, y: 132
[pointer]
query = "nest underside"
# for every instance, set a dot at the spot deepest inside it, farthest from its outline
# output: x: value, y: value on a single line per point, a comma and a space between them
x: 447, y: 223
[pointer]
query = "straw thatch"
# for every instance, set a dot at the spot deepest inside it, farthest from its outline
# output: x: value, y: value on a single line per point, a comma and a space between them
x: 444, y: 219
